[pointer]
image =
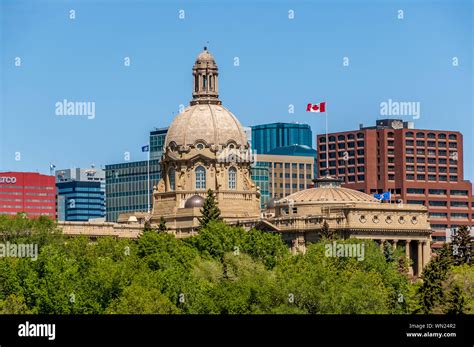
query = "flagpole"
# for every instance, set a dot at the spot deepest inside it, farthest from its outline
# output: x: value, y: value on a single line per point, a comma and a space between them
x: 327, y: 144
x: 148, y: 179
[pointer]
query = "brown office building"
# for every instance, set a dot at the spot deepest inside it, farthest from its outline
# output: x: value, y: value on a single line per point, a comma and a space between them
x: 417, y: 166
x: 287, y: 174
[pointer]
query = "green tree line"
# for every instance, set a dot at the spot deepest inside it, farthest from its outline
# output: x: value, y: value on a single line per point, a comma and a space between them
x: 222, y: 270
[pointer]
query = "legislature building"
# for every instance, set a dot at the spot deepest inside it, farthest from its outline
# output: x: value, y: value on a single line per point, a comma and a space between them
x: 207, y: 148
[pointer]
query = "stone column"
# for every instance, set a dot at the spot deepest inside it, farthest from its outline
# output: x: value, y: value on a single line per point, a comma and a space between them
x: 407, y: 248
x: 381, y: 244
x: 395, y: 244
x: 419, y: 260
x: 426, y: 252
x: 408, y: 255
x: 294, y: 244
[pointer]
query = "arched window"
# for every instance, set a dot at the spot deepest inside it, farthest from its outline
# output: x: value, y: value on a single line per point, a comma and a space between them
x: 200, y: 177
x: 232, y: 178
x: 171, y: 175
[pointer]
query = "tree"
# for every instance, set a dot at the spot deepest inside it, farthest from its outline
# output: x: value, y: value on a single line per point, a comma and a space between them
x: 462, y: 246
x: 388, y: 251
x: 162, y: 226
x: 218, y: 238
x: 326, y: 231
x: 210, y: 211
x: 431, y: 292
x: 455, y: 301
x: 147, y: 226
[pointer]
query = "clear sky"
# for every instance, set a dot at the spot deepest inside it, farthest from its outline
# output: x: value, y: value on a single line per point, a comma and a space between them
x: 282, y: 61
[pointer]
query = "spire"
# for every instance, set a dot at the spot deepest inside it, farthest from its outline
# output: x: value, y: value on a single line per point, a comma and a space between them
x: 205, y: 75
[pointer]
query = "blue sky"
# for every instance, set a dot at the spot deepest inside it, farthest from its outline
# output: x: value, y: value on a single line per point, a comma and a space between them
x: 282, y: 61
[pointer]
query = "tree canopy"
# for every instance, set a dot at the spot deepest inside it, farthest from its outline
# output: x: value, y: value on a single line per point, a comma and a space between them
x: 222, y: 270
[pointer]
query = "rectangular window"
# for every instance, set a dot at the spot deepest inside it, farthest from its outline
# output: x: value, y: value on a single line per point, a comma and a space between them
x: 459, y: 215
x: 415, y: 191
x: 438, y: 203
x: 461, y: 204
x: 438, y: 192
x: 438, y: 215
x: 456, y: 192
x: 416, y: 202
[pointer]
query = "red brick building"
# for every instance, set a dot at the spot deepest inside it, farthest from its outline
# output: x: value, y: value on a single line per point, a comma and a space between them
x: 28, y: 192
x: 417, y: 166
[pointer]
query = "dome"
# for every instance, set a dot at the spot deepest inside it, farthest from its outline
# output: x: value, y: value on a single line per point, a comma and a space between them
x: 194, y: 201
x: 208, y: 123
x: 205, y: 57
x: 330, y: 195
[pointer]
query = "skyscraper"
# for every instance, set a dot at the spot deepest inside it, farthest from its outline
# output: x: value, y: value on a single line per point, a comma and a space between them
x: 157, y: 140
x: 417, y: 166
x: 127, y: 184
x: 81, y: 194
x: 266, y: 137
x: 29, y: 192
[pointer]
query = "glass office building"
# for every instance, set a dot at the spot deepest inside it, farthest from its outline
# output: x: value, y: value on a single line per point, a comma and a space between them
x: 80, y: 200
x: 126, y: 186
x: 157, y: 140
x: 80, y: 194
x: 299, y: 151
x: 266, y: 137
x: 261, y: 177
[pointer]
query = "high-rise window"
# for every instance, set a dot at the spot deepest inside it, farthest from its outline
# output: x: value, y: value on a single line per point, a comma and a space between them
x: 200, y: 177
x: 232, y: 178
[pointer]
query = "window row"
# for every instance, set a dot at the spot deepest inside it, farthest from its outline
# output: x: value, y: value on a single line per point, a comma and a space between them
x: 341, y: 137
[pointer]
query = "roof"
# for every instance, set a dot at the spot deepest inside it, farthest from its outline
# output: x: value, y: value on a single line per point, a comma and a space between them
x: 208, y: 123
x: 328, y: 195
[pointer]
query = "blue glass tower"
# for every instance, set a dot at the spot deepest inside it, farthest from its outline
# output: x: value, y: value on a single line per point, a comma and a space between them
x: 266, y: 137
x: 80, y: 200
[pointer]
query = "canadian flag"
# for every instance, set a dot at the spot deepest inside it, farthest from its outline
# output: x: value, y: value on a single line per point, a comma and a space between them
x: 321, y: 107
